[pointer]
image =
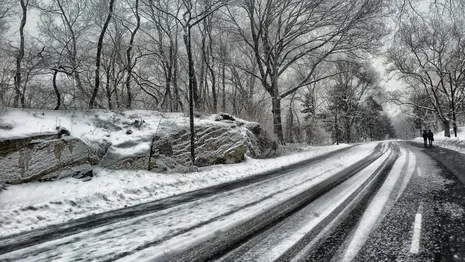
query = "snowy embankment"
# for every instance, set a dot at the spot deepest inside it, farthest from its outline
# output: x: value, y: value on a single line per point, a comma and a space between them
x: 135, y: 139
x: 35, y: 205
x: 128, y: 133
x: 153, y: 236
x: 452, y: 143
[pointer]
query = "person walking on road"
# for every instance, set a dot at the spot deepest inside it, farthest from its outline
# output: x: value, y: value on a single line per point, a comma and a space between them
x: 430, y: 138
x: 425, y: 137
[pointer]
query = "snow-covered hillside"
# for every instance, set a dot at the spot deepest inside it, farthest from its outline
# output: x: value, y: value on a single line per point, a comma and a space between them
x: 97, y: 126
x: 31, y: 150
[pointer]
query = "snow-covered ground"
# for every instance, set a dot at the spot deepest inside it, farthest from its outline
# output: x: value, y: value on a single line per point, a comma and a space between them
x: 452, y: 143
x: 35, y: 205
x: 96, y: 127
x: 183, y: 226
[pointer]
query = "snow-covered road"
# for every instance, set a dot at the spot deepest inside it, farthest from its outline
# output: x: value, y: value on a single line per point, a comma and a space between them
x: 280, y: 241
x: 369, y: 202
x: 168, y: 232
x: 36, y: 206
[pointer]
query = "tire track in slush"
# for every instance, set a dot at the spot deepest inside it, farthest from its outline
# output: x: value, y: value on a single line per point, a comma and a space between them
x: 34, y: 237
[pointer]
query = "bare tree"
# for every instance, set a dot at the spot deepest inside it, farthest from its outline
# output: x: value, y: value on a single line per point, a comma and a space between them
x: 162, y: 40
x: 63, y: 25
x: 19, y: 96
x: 5, y: 14
x: 193, y: 13
x: 115, y: 66
x: 353, y: 84
x: 428, y: 53
x: 99, y: 54
x: 130, y: 64
x: 283, y: 33
x: 5, y: 75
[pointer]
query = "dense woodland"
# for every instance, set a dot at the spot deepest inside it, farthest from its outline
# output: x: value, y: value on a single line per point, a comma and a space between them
x: 301, y: 68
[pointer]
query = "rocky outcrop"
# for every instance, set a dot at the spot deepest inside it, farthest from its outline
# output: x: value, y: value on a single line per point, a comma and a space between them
x: 261, y: 143
x: 226, y: 142
x: 35, y: 157
x: 58, y: 155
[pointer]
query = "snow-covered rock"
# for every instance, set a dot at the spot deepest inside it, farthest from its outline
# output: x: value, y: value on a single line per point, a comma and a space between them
x: 157, y: 141
x: 263, y: 145
x: 224, y: 142
x: 32, y: 158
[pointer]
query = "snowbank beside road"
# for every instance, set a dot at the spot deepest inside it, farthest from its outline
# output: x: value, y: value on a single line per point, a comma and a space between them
x: 36, y: 205
x: 452, y: 143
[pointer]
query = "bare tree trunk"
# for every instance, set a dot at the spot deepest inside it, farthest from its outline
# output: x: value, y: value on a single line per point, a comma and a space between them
x: 277, y: 121
x: 213, y: 84
x: 166, y: 102
x: 207, y: 51
x: 199, y: 103
x: 214, y: 93
x: 336, y: 126
x: 192, y: 88
x: 290, y: 125
x: 348, y: 131
x: 114, y: 81
x: 446, y: 126
x: 223, y: 95
x: 234, y: 102
x: 108, y: 89
x: 129, y: 56
x: 55, y: 87
x: 99, y: 54
x: 178, y: 103
x: 453, y: 106
x: 20, y: 56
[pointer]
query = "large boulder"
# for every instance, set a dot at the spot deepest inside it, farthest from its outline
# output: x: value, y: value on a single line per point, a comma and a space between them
x: 132, y: 155
x: 261, y: 145
x: 225, y: 142
x: 32, y: 158
x: 219, y: 145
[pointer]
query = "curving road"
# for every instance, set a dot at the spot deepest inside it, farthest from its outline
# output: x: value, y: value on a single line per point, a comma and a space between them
x: 370, y: 202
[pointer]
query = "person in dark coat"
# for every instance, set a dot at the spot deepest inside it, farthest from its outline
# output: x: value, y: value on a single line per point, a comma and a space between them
x: 425, y: 137
x: 430, y: 138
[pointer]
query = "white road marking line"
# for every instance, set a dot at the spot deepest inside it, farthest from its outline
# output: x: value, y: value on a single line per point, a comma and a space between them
x: 415, y: 247
x: 419, y: 171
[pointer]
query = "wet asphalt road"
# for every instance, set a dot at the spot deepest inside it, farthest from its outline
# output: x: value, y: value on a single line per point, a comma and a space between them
x: 437, y: 192
x: 439, y: 196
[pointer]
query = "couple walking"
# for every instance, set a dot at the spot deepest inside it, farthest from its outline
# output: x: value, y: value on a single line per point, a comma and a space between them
x: 428, y: 136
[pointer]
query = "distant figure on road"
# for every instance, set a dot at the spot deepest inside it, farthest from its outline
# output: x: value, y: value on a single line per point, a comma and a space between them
x: 430, y: 138
x: 425, y: 137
